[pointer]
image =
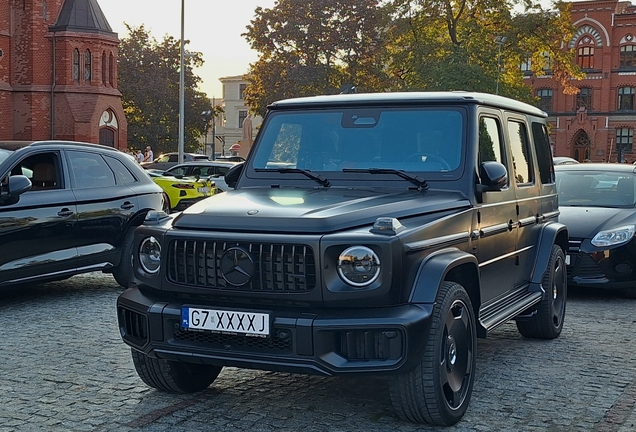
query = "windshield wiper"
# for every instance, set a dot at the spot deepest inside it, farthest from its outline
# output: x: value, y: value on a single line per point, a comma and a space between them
x: 416, y: 180
x: 320, y: 179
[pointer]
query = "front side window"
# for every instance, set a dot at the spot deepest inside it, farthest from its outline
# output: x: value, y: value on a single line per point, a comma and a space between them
x: 584, y: 98
x: 626, y: 98
x: 585, y: 57
x: 518, y: 136
x: 490, y: 141
x: 545, y: 99
x: 628, y: 56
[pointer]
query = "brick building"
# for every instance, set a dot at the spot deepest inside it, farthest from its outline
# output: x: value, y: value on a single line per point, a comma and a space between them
x: 58, y: 73
x: 598, y: 123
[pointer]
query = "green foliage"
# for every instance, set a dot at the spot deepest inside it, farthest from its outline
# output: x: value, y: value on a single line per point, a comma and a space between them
x: 310, y: 47
x: 149, y: 82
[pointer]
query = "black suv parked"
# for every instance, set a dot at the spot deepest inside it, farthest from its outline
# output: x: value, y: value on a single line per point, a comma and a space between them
x: 366, y: 234
x: 69, y: 208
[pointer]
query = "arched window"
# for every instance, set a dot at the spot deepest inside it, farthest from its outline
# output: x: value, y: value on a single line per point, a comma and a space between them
x: 626, y: 98
x: 628, y: 56
x: 111, y: 70
x: 104, y: 59
x: 87, y: 66
x: 584, y: 98
x: 585, y: 57
x: 76, y: 65
x: 545, y: 99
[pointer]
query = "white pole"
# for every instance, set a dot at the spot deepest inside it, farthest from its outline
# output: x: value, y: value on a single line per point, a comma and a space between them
x: 181, y: 90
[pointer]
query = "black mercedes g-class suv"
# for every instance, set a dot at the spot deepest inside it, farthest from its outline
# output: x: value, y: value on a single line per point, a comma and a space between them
x: 365, y: 234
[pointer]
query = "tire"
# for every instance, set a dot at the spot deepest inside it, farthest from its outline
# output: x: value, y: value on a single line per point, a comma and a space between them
x: 124, y: 271
x: 172, y: 376
x: 547, y: 322
x: 438, y: 390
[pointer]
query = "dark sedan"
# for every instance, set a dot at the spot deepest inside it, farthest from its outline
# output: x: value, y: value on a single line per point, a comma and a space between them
x: 597, y: 203
x: 68, y: 208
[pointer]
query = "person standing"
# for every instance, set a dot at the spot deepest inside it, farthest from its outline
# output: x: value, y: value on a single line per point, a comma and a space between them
x: 149, y: 156
x: 139, y: 156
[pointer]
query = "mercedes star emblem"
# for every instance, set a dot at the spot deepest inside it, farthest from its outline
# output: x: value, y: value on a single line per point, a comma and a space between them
x: 237, y: 266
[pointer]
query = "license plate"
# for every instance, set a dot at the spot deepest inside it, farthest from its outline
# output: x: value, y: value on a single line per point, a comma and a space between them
x: 567, y: 260
x: 204, y: 190
x: 224, y: 321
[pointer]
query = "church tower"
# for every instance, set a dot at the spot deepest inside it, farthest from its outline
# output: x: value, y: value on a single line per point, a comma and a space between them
x: 58, y: 73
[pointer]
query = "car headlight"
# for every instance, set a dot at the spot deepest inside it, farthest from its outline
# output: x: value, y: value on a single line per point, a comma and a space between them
x: 358, y: 266
x: 150, y: 255
x: 614, y: 236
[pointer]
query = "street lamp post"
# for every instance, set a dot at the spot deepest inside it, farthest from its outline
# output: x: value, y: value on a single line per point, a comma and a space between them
x: 181, y: 89
x: 499, y: 40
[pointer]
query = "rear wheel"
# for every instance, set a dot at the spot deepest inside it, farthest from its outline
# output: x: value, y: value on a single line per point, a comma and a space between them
x: 123, y: 272
x: 547, y: 322
x: 172, y: 376
x: 438, y: 390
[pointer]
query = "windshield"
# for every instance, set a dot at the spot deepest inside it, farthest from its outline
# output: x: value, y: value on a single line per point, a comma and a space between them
x: 414, y: 139
x: 595, y: 188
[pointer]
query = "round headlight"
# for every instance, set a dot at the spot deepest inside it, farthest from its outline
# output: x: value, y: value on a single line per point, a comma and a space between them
x: 150, y: 255
x: 358, y: 266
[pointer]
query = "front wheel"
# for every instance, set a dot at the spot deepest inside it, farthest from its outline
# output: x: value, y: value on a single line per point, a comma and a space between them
x: 123, y: 272
x: 547, y: 321
x: 438, y: 390
x: 173, y: 376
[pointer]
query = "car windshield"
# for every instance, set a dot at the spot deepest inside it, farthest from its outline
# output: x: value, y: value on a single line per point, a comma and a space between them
x: 595, y: 188
x: 414, y: 139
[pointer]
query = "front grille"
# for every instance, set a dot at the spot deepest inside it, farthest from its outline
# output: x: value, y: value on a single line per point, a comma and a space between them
x: 585, y: 267
x: 277, y: 267
x: 574, y: 245
x: 274, y: 344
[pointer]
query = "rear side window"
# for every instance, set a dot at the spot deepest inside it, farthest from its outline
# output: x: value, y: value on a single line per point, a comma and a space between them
x: 124, y: 176
x: 90, y: 170
x: 544, y: 155
x: 518, y: 136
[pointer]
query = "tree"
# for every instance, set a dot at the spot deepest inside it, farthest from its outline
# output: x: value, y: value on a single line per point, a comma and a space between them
x: 149, y: 82
x: 452, y: 45
x: 310, y: 47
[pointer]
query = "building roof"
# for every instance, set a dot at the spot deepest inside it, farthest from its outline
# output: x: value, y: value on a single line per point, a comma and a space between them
x: 82, y: 16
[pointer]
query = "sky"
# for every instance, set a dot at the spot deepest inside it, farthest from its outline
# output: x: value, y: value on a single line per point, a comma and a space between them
x: 213, y: 28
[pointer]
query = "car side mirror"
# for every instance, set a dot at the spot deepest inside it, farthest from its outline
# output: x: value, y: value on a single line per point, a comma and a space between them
x: 233, y: 174
x: 16, y: 186
x: 494, y: 175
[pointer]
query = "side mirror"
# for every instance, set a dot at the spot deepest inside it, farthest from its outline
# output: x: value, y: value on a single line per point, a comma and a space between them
x: 16, y: 186
x: 494, y: 175
x: 233, y: 174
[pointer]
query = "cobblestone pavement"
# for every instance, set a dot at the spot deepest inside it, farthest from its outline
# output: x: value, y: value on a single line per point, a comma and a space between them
x: 63, y: 367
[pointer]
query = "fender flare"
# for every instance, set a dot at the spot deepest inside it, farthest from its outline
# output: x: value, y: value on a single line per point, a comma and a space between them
x: 433, y: 270
x: 551, y: 234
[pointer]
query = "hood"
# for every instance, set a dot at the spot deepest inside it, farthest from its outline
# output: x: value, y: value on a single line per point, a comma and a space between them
x: 311, y: 211
x: 585, y: 222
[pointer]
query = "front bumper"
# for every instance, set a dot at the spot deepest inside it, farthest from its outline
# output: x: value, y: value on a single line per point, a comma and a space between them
x: 324, y: 342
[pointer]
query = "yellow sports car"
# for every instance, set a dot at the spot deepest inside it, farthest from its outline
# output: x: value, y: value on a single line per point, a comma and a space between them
x: 183, y: 192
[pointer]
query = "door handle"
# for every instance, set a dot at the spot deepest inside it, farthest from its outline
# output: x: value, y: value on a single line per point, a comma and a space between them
x: 65, y: 212
x: 127, y: 205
